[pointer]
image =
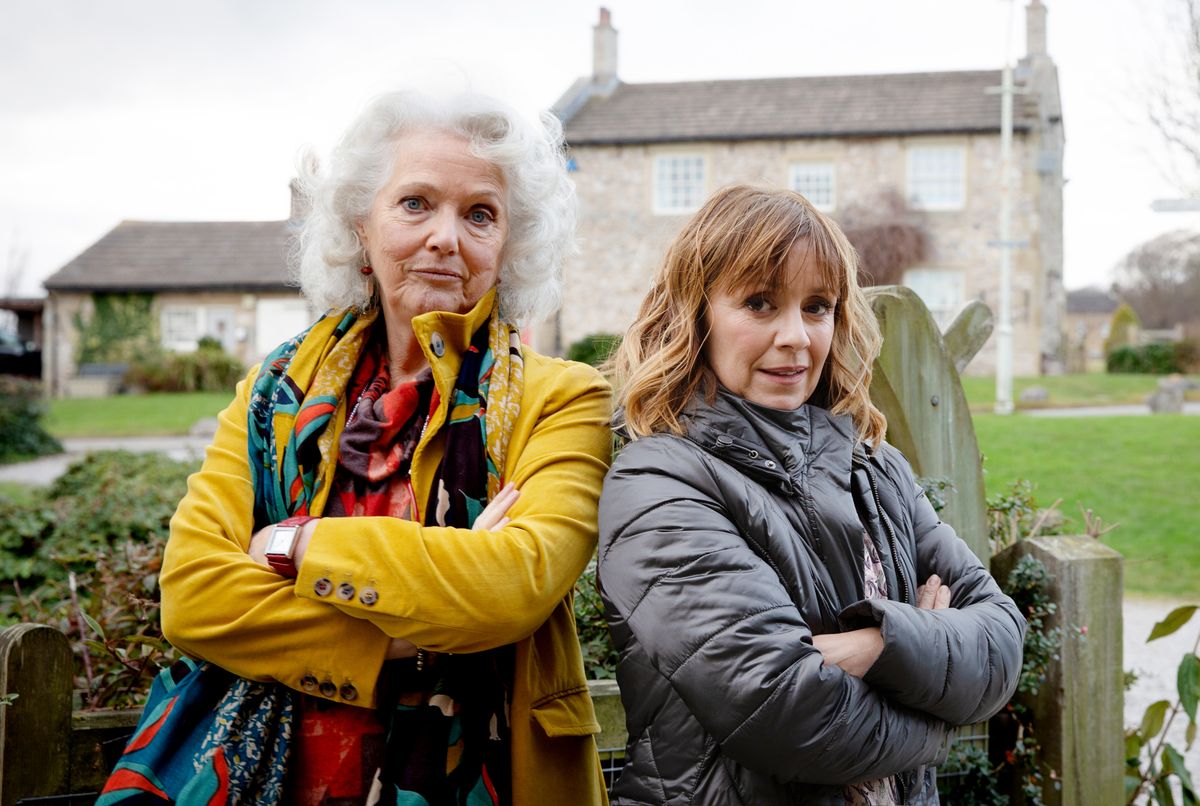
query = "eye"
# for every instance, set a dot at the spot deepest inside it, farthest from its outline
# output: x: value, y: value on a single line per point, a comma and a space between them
x: 819, y: 307
x: 412, y: 203
x: 757, y: 303
x: 481, y: 215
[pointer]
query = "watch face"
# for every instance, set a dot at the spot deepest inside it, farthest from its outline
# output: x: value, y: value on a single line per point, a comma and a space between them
x: 281, y: 541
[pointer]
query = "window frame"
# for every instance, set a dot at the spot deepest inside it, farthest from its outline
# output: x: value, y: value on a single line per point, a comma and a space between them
x: 657, y: 159
x: 168, y: 340
x: 912, y: 154
x: 796, y: 165
x: 942, y: 315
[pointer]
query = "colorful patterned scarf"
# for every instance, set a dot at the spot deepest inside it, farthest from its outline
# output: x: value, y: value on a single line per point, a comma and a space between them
x: 293, y: 432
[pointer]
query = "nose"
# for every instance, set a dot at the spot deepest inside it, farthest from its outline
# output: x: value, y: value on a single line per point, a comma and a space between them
x: 443, y: 232
x: 791, y: 332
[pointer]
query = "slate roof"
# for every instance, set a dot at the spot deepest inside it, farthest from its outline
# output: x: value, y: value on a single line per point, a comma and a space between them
x: 180, y: 256
x: 1091, y: 300
x: 784, y: 108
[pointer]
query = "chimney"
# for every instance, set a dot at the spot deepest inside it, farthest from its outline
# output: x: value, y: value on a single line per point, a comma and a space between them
x: 1035, y: 29
x: 604, y: 51
x: 301, y: 204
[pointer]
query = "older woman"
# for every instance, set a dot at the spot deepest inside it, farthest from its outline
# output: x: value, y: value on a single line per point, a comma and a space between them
x: 339, y: 537
x: 761, y: 545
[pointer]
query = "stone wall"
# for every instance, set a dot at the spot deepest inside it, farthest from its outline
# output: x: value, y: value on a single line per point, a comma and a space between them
x: 623, y: 242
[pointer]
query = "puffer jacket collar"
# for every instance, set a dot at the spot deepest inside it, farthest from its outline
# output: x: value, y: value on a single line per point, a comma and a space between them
x: 772, y: 446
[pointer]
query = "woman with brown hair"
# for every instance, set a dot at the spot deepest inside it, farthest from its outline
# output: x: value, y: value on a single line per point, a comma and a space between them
x: 761, y: 545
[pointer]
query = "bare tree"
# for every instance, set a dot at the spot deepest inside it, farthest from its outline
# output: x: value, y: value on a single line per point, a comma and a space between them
x: 889, y: 235
x: 1161, y: 279
x: 1174, y: 102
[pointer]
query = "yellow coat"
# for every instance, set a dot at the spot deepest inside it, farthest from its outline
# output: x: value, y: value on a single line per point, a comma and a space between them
x: 444, y: 589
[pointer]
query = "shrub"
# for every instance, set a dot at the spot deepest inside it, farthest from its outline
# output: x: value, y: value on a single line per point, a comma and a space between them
x: 21, y: 410
x: 208, y: 369
x: 594, y: 348
x: 1159, y: 358
x: 102, y: 501
x: 85, y: 558
x: 1122, y: 329
x: 599, y: 653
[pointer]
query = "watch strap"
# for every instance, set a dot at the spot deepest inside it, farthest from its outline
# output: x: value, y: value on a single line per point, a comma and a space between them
x: 284, y: 564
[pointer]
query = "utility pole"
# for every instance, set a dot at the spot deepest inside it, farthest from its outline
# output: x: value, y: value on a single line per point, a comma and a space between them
x: 1004, y: 331
x: 1006, y: 244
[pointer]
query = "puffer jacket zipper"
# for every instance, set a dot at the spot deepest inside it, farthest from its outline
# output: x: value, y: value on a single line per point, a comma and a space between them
x: 905, y: 594
x: 902, y: 777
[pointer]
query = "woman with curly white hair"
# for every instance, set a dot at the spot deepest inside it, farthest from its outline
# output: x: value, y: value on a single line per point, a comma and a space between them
x: 398, y: 500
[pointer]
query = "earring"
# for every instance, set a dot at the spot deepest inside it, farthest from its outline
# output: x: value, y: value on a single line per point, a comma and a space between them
x: 366, y: 270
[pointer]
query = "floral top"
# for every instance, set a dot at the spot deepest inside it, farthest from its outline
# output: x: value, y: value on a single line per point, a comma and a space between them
x: 882, y: 791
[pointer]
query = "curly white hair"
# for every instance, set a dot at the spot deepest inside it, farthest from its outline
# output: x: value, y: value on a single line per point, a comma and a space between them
x: 541, y: 198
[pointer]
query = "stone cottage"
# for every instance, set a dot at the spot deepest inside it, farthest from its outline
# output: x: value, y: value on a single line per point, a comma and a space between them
x: 645, y: 156
x: 224, y: 279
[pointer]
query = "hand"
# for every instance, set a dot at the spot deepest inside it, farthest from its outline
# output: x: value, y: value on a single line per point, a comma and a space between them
x: 399, y: 648
x: 494, y: 515
x: 933, y: 595
x: 855, y: 652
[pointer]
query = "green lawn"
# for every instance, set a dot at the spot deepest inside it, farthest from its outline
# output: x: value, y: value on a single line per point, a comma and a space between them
x: 133, y: 415
x: 1141, y: 472
x: 1092, y: 389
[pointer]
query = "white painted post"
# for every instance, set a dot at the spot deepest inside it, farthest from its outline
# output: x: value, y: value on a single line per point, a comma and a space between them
x: 1004, y: 330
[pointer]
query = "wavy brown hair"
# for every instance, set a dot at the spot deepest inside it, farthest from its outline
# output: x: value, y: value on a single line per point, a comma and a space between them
x: 741, y: 238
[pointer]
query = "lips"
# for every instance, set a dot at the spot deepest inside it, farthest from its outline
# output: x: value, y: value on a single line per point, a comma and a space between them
x: 785, y: 375
x: 436, y: 272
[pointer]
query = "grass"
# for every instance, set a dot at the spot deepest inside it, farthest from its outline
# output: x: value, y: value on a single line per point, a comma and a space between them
x: 1140, y: 472
x: 133, y: 415
x: 1091, y: 389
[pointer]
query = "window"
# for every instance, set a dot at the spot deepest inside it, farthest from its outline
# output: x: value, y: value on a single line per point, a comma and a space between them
x: 180, y: 327
x: 678, y: 183
x: 940, y: 289
x: 815, y: 182
x: 937, y: 177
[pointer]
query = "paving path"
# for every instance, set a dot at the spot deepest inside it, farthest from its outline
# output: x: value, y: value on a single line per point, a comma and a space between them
x: 1156, y: 665
x: 48, y: 468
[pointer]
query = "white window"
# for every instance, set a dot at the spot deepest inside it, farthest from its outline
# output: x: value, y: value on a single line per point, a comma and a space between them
x: 181, y: 327
x: 937, y: 177
x: 940, y: 289
x: 815, y: 182
x: 678, y: 183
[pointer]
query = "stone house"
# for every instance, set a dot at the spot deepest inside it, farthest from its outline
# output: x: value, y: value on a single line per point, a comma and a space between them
x: 223, y: 279
x: 1089, y: 319
x: 645, y: 156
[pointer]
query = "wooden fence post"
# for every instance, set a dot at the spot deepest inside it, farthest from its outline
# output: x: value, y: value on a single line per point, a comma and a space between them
x: 35, y: 730
x: 1078, y: 711
x: 916, y: 386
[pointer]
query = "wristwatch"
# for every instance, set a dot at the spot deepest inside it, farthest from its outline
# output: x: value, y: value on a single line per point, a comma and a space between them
x: 282, y: 544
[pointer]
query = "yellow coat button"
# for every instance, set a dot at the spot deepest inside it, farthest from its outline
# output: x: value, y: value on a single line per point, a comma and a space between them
x: 322, y: 587
x: 349, y: 693
x: 345, y: 591
x: 328, y: 689
x: 368, y: 596
x: 308, y: 683
x: 437, y: 345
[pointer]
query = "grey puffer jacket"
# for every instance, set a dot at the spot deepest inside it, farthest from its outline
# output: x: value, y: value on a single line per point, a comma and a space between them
x: 723, y: 552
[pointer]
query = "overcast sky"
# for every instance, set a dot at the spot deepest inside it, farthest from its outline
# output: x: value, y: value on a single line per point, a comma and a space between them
x: 168, y: 110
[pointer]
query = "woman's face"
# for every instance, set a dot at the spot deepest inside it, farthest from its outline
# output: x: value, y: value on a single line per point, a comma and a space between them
x: 770, y: 347
x: 436, y: 230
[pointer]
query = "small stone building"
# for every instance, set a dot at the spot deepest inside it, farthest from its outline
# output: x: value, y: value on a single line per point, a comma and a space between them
x: 1089, y: 318
x: 645, y: 156
x: 227, y: 280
